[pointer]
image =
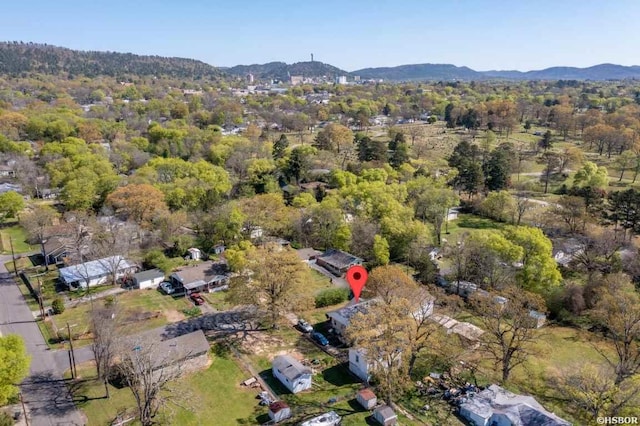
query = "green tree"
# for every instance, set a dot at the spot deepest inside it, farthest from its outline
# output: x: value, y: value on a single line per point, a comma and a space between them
x: 14, y: 366
x: 499, y: 206
x: 276, y: 283
x: 625, y: 161
x: 380, y: 250
x: 497, y: 169
x: 11, y: 203
x: 539, y: 272
x: 280, y: 146
x: 591, y: 175
x: 432, y: 205
x: 334, y: 137
x: 546, y: 143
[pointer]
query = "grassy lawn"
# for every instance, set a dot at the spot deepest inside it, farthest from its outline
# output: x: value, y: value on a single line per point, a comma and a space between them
x: 318, y: 282
x: 469, y: 223
x: 213, y: 396
x: 140, y: 310
x: 18, y: 235
x: 217, y: 300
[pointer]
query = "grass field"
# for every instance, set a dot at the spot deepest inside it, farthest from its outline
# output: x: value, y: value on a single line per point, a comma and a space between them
x: 213, y: 396
x: 18, y: 236
x: 139, y: 309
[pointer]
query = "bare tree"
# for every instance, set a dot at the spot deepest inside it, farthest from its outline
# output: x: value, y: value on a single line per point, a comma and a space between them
x: 147, y: 370
x: 618, y: 309
x: 37, y: 223
x: 112, y: 242
x: 104, y: 327
x: 523, y: 205
x: 509, y: 335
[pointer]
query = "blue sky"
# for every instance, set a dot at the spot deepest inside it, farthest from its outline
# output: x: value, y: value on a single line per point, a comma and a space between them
x: 350, y: 34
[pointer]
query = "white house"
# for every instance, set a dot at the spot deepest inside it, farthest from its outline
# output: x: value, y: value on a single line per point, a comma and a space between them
x: 498, y: 406
x: 148, y: 279
x: 293, y: 375
x: 359, y: 365
x: 96, y: 272
x: 194, y: 253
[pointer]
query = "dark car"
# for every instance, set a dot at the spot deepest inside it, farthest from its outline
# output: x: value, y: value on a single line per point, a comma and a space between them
x: 197, y: 299
x: 319, y: 337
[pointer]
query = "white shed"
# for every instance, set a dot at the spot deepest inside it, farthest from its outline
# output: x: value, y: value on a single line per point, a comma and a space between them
x: 385, y: 416
x: 367, y: 398
x: 295, y: 376
x: 279, y: 411
x: 148, y: 279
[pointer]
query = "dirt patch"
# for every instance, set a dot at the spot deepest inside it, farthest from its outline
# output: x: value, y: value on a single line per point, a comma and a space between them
x: 174, y: 316
x: 260, y: 343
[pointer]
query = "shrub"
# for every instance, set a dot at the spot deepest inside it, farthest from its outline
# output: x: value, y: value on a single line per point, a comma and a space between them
x: 331, y: 296
x: 6, y: 420
x: 57, y: 305
x: 192, y: 312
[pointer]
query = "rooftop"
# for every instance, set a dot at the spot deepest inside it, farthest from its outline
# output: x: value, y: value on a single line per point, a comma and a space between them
x: 386, y: 412
x: 205, y: 271
x: 367, y: 394
x: 148, y: 275
x: 519, y: 409
x: 339, y: 259
x: 171, y: 350
x: 274, y: 407
x: 93, y: 269
x: 343, y: 315
x: 289, y: 367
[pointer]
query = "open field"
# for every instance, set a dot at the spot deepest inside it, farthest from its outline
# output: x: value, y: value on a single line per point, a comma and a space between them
x: 140, y: 310
x: 212, y: 396
x: 18, y: 236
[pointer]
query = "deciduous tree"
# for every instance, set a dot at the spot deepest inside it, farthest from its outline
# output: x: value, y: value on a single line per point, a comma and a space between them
x: 14, y: 365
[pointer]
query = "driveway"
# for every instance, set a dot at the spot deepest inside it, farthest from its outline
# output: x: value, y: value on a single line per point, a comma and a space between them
x: 45, y: 392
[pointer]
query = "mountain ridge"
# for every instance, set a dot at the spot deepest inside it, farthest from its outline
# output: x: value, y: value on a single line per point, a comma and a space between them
x: 21, y: 57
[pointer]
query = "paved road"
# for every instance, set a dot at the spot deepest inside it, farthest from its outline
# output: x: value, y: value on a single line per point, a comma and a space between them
x: 45, y: 392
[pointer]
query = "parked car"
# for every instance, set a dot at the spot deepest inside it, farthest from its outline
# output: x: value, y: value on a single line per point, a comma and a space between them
x: 167, y: 287
x: 319, y: 337
x: 197, y: 299
x: 304, y: 326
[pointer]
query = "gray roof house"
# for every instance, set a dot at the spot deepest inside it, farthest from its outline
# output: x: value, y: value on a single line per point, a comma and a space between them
x: 498, y: 406
x: 293, y: 375
x: 96, y: 272
x: 148, y: 279
x: 341, y: 318
x: 337, y: 261
x: 204, y: 276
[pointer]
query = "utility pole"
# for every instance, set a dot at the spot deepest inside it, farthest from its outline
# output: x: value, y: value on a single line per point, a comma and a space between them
x: 74, y: 371
x: 24, y: 409
x: 40, y: 299
x: 13, y: 256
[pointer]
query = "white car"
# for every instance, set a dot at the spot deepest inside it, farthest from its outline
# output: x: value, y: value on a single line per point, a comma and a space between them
x: 167, y: 287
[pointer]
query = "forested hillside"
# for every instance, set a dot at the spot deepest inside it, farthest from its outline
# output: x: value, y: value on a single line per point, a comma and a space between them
x: 18, y: 57
x: 282, y: 71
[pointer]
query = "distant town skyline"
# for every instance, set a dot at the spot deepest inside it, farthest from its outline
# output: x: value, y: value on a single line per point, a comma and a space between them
x: 483, y: 35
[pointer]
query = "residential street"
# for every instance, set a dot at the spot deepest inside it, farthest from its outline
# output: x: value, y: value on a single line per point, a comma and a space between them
x: 45, y: 392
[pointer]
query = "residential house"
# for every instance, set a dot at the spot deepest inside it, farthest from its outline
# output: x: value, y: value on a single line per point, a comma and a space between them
x: 219, y: 249
x: 188, y: 352
x: 498, y: 406
x: 361, y: 365
x: 55, y: 250
x: 385, y: 416
x: 462, y: 288
x: 6, y: 171
x: 148, y: 279
x: 367, y: 399
x: 279, y: 411
x: 566, y: 250
x: 205, y: 276
x: 340, y: 318
x: 337, y: 261
x: 327, y: 419
x: 96, y: 272
x: 293, y: 375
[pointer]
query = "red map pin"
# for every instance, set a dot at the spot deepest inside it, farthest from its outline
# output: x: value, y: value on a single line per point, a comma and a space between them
x: 357, y: 278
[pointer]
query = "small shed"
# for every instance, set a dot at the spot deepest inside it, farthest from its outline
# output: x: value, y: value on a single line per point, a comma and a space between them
x: 279, y: 411
x: 148, y: 279
x: 219, y: 249
x: 367, y: 398
x: 194, y: 253
x: 385, y: 416
x: 537, y: 319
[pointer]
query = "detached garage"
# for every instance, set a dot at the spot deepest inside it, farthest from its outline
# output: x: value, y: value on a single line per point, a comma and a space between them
x: 148, y: 279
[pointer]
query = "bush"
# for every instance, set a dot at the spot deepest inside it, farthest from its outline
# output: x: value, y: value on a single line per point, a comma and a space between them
x: 6, y: 420
x: 192, y: 312
x: 331, y: 296
x: 57, y: 305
